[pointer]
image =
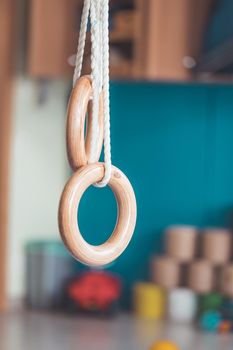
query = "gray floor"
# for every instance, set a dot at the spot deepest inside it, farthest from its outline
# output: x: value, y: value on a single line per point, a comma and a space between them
x: 37, y: 331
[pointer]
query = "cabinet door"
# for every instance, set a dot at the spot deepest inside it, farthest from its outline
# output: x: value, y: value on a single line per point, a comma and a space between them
x: 140, y: 43
x: 53, y: 33
x: 174, y: 30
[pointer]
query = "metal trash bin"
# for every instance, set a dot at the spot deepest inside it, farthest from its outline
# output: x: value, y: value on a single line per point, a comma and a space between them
x: 48, y: 267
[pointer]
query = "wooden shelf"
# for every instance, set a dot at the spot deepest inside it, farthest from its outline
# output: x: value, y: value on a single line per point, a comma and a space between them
x: 52, y: 37
x: 121, y: 71
x: 118, y: 37
x: 115, y: 37
x: 152, y: 37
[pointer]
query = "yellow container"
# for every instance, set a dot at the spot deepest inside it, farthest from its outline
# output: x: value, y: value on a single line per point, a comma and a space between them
x: 149, y: 301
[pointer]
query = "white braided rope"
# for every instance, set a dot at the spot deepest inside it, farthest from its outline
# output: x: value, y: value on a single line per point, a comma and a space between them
x: 95, y: 73
x: 106, y: 104
x: 99, y: 14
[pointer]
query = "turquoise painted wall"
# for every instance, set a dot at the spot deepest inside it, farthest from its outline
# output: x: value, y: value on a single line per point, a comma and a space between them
x: 175, y: 143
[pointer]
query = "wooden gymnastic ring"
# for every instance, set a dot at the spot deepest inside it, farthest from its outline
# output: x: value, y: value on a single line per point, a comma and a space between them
x: 78, y: 147
x: 68, y: 225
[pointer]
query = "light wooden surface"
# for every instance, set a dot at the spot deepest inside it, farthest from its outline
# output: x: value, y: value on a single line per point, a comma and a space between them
x: 174, y: 30
x: 7, y: 17
x: 78, y: 149
x: 52, y: 37
x: 37, y: 331
x: 165, y: 31
x: 121, y: 236
x: 139, y: 47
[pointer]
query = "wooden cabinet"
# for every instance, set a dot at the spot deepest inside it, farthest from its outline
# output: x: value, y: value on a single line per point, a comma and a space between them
x: 149, y: 39
x: 173, y: 36
x: 52, y: 37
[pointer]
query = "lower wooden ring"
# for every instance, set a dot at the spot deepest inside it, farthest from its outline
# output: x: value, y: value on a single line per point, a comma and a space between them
x: 127, y: 211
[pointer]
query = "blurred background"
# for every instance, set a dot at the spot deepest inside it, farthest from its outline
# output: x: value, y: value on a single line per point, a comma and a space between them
x: 171, y: 68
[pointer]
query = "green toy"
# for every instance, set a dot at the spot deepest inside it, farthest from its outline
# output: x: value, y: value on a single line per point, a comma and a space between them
x: 210, y: 302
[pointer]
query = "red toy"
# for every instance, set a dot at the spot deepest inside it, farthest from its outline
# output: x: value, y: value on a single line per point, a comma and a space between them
x: 94, y: 291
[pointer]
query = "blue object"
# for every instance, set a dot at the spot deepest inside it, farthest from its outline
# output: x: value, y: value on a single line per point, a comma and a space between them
x: 227, y: 310
x: 210, y: 321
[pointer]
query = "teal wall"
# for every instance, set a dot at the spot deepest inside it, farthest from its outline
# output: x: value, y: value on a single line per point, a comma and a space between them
x: 175, y: 143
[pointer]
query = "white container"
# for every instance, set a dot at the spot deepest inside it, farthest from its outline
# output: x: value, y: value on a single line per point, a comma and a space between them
x: 182, y: 305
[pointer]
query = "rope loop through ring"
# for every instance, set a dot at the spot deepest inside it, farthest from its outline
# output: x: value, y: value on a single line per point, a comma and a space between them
x: 126, y: 203
x: 79, y: 146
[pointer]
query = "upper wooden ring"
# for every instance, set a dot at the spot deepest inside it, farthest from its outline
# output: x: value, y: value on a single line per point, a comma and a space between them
x: 78, y: 146
x: 68, y: 225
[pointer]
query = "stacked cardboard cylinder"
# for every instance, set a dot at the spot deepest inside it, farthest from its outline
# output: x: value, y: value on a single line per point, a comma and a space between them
x: 200, y: 262
x: 194, y: 264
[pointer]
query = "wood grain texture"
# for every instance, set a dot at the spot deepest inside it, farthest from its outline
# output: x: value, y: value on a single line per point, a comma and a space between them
x: 107, y: 252
x: 174, y: 30
x: 7, y: 21
x: 140, y: 32
x: 166, y: 39
x: 78, y: 148
x: 53, y: 34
